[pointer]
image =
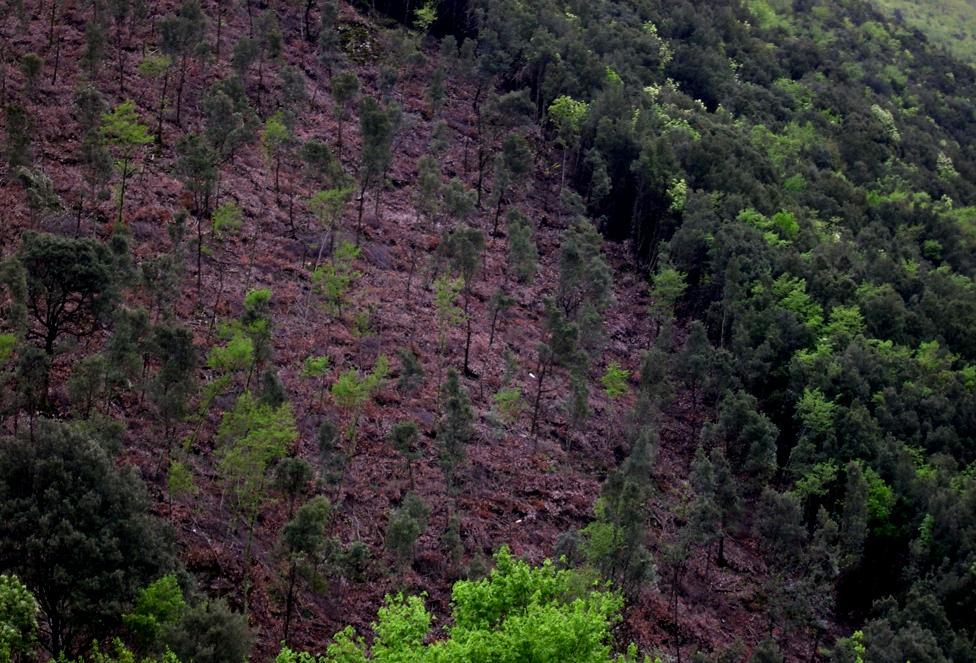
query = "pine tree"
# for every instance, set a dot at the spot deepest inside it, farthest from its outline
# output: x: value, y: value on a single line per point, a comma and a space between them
x: 345, y: 88
x: 463, y: 247
x: 615, y: 542
x: 182, y: 38
x: 252, y: 437
x: 122, y: 131
x: 175, y: 381
x: 20, y: 129
x: 404, y: 437
x: 522, y: 251
x: 94, y: 51
x: 455, y: 429
x: 854, y: 518
x: 377, y: 126
x: 560, y: 347
x: 407, y: 523
x: 303, y: 539
x: 291, y: 476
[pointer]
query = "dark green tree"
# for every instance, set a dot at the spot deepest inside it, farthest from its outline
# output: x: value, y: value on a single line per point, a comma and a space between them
x: 211, y: 632
x: 345, y: 89
x: 407, y: 522
x: 615, y: 542
x: 19, y: 131
x: 70, y: 287
x: 404, y: 437
x: 455, y: 429
x: 291, y: 476
x: 74, y: 526
x: 182, y: 39
x: 303, y: 540
x: 377, y: 126
x: 464, y: 247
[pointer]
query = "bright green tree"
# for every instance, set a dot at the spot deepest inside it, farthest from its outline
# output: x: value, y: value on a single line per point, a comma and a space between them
x: 252, y: 437
x: 125, y: 135
x: 18, y: 619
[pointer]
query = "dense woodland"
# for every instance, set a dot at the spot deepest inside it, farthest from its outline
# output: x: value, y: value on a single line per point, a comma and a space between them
x: 485, y: 330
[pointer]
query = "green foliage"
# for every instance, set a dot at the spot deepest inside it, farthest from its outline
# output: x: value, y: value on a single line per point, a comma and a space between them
x: 179, y: 480
x: 125, y: 135
x: 75, y: 528
x: 508, y: 404
x: 615, y: 541
x: 456, y: 426
x: 158, y: 607
x: 70, y: 286
x: 615, y: 380
x: 449, y: 314
x: 407, y: 523
x: 18, y: 619
x: 517, y: 613
x: 522, y: 251
x: 411, y: 372
x: 568, y: 114
x: 667, y: 287
x: 226, y: 220
x: 19, y: 130
x: 333, y: 279
x: 252, y: 436
x: 210, y: 631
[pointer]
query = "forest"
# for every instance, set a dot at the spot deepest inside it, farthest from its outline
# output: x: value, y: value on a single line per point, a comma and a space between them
x: 486, y: 330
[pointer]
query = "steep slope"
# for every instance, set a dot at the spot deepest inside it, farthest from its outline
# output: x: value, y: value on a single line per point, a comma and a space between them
x: 801, y: 179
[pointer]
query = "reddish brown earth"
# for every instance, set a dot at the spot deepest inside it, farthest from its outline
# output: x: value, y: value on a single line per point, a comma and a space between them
x: 517, y: 490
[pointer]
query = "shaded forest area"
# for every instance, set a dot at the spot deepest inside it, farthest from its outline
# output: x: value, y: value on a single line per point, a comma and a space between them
x: 324, y: 325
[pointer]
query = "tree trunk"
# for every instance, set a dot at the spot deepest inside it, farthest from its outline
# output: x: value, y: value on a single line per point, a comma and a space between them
x: 467, y: 339
x: 179, y: 92
x: 289, y: 602
x: 543, y: 369
x: 162, y: 108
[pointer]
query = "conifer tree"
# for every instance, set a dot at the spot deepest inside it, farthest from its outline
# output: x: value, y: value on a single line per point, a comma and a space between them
x: 291, y: 475
x: 499, y: 303
x: 345, y: 89
x: 175, y: 381
x: 560, y: 347
x: 31, y: 65
x: 252, y: 437
x: 331, y: 457
x: 182, y: 40
x: 303, y: 539
x: 275, y: 138
x: 404, y: 437
x: 327, y: 207
x: 94, y: 51
x: 122, y: 131
x: 411, y: 372
x: 522, y: 250
x: 377, y: 126
x: 616, y: 541
x: 69, y: 288
x: 19, y: 130
x: 75, y: 528
x: 352, y: 390
x: 463, y: 247
x: 455, y: 429
x: 407, y: 523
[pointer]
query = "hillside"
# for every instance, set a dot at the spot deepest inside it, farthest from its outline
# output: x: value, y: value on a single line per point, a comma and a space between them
x: 305, y: 305
x: 950, y: 24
